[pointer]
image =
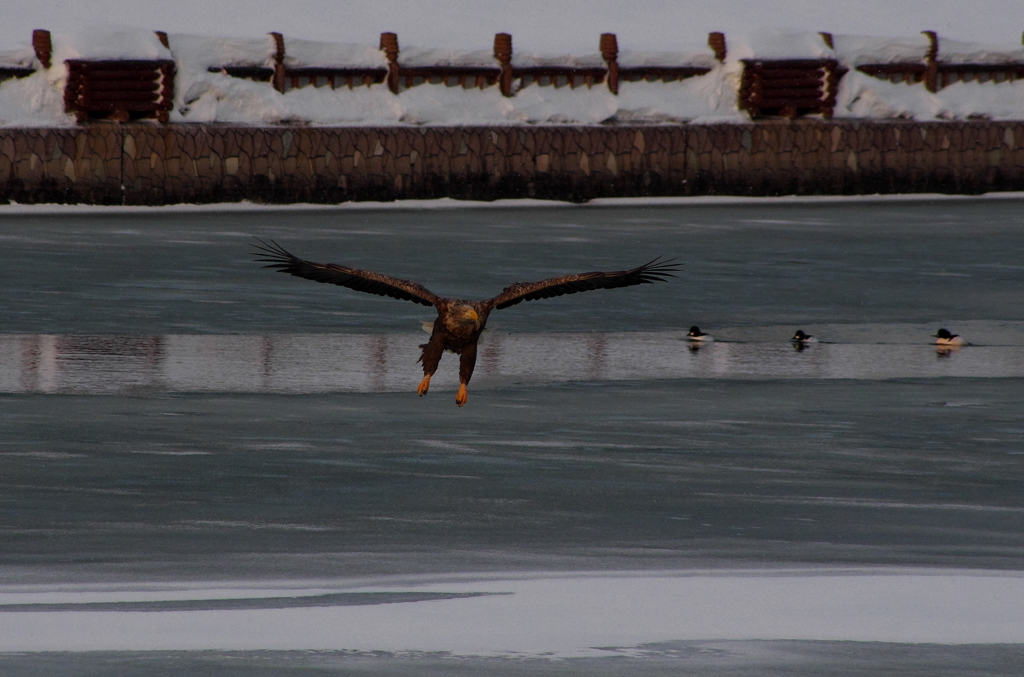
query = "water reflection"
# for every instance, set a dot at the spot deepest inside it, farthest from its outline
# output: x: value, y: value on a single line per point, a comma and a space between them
x: 306, y: 363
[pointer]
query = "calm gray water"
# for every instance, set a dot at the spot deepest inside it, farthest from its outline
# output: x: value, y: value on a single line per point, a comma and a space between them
x: 171, y: 412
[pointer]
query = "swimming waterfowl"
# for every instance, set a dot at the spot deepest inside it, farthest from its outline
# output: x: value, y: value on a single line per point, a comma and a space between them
x: 943, y: 337
x: 802, y: 338
x: 697, y: 335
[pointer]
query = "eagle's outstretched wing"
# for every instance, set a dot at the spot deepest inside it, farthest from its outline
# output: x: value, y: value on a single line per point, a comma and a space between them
x: 275, y: 256
x: 655, y: 271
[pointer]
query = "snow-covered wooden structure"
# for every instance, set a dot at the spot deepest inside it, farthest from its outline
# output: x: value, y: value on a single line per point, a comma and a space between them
x: 130, y: 74
x: 114, y: 88
x: 119, y: 90
x: 402, y: 70
x: 959, y: 62
x: 789, y: 88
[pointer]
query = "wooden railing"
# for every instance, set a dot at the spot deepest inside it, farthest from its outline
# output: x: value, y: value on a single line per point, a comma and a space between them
x: 935, y: 75
x: 945, y: 74
x: 503, y: 74
x: 8, y: 72
x: 295, y: 78
x: 401, y: 77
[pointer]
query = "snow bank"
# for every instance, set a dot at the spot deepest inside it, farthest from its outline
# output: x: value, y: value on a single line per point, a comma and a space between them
x: 862, y: 96
x: 32, y: 102
x: 214, y: 97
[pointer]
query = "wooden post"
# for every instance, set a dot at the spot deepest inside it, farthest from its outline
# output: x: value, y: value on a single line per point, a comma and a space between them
x: 278, y: 61
x: 167, y: 72
x: 43, y: 46
x: 166, y: 82
x: 503, y: 53
x: 716, y: 41
x: 389, y: 45
x: 609, y: 46
x: 832, y: 75
x: 827, y: 39
x: 931, y: 59
x: 751, y: 85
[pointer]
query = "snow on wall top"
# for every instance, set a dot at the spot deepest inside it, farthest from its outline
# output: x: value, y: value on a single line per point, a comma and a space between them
x: 21, y: 57
x: 630, y: 58
x: 428, y: 56
x: 856, y: 50
x: 327, y: 54
x: 425, y: 56
x: 954, y: 51
x: 533, y: 59
x: 193, y: 52
x: 102, y: 44
x: 777, y: 45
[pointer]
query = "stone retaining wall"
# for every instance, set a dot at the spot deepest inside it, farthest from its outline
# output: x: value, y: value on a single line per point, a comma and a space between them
x: 144, y: 163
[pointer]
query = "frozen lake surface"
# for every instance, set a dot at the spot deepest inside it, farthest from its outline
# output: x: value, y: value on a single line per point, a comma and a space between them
x: 201, y: 455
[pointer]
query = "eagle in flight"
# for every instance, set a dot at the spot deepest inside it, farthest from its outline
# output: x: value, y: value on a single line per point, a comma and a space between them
x: 459, y: 323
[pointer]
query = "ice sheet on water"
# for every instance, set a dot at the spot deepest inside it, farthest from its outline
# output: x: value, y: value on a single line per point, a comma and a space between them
x: 557, y: 616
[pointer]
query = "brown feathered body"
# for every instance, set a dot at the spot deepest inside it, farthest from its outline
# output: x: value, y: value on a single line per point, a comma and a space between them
x: 459, y: 323
x: 457, y: 329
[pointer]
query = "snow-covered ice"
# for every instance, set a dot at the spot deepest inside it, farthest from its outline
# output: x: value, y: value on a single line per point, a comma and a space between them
x: 557, y: 616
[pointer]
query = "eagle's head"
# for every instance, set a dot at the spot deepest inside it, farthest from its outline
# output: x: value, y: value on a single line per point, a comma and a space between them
x: 463, y: 319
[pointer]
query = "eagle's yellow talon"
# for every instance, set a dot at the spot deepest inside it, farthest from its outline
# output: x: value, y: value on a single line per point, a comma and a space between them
x: 424, y: 386
x: 461, y: 398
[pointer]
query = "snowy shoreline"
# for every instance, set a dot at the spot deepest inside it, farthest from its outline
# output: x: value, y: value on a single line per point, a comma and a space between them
x: 47, y: 208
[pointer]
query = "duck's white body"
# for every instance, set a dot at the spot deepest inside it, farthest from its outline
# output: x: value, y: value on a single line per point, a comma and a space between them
x: 803, y: 338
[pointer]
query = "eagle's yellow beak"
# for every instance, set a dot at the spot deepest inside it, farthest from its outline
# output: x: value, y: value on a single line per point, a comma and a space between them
x: 466, y: 316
